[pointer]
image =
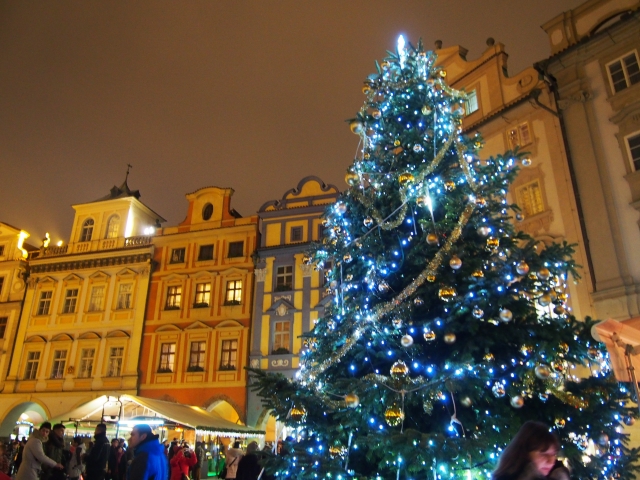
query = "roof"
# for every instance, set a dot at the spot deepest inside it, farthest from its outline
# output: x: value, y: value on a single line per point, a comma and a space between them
x: 123, y: 191
x: 186, y: 415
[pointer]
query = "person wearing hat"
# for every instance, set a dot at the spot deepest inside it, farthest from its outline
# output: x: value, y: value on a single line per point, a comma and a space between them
x: 33, y: 457
x: 54, y: 449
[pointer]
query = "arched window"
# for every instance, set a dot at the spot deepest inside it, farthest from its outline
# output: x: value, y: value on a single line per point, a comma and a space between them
x: 87, y: 230
x: 112, y: 226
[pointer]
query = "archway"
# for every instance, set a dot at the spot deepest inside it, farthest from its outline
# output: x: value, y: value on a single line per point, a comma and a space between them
x: 268, y: 423
x: 225, y: 410
x: 30, y: 412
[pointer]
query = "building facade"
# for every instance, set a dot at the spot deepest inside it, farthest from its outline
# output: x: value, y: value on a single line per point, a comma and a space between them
x: 594, y: 70
x: 80, y: 329
x: 196, y: 335
x: 289, y: 294
x: 519, y: 112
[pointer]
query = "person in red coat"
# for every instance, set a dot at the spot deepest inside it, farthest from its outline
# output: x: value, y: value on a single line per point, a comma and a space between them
x: 183, y: 459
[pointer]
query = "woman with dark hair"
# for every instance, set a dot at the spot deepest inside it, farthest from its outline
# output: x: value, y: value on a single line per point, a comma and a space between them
x: 530, y: 455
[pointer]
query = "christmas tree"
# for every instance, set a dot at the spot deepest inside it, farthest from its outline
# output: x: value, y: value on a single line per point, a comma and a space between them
x: 448, y: 329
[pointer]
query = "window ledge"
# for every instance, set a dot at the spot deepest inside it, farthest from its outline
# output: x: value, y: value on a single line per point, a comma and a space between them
x: 171, y: 308
x: 534, y: 224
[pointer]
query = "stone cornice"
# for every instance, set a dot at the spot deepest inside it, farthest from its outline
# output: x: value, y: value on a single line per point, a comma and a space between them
x: 70, y: 264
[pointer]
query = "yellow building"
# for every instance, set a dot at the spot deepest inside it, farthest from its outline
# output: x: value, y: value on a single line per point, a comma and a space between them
x: 80, y: 329
x: 519, y: 111
x: 289, y: 295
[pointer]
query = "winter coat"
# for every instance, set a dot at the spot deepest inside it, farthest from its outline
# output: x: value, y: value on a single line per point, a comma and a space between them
x: 180, y: 464
x: 33, y: 458
x: 529, y: 472
x: 96, y: 459
x: 54, y: 449
x: 76, y: 465
x: 248, y: 467
x: 231, y: 463
x: 149, y: 461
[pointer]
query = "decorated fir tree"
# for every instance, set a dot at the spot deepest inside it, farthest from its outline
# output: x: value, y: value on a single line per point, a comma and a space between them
x: 448, y: 328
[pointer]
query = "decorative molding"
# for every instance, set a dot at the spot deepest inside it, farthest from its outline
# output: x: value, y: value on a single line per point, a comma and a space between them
x: 32, y: 282
x: 580, y: 97
x: 91, y: 263
x: 280, y: 362
x: 307, y: 270
x: 261, y: 274
x: 255, y: 363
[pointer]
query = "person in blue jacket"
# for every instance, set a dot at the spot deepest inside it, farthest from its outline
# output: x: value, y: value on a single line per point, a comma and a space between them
x: 149, y: 461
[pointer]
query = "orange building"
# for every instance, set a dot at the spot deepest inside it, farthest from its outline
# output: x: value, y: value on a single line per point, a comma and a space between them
x: 196, y: 332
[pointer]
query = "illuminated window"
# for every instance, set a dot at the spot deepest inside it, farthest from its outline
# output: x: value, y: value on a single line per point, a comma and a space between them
x: 86, y: 362
x: 281, y: 336
x: 177, y: 255
x: 124, y: 296
x: 45, y: 303
x: 471, y: 103
x: 167, y: 357
x: 236, y: 249
x: 113, y: 225
x: 116, y: 355
x: 87, y: 230
x: 284, y: 278
x: 59, y: 362
x: 206, y: 252
x: 634, y: 150
x: 96, y: 302
x: 519, y: 136
x: 296, y: 234
x: 31, y: 368
x: 196, y: 356
x: 203, y: 295
x: 529, y: 198
x: 229, y: 355
x: 3, y: 326
x: 70, y: 300
x: 234, y: 292
x: 174, y: 298
x: 624, y: 72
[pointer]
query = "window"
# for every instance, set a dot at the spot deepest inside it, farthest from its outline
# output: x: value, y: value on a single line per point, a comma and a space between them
x: 321, y: 229
x: 1, y: 250
x: 31, y: 369
x: 281, y: 336
x: 116, y: 355
x: 471, y: 103
x: 229, y: 355
x: 296, y: 234
x: 86, y: 362
x: 207, y: 211
x: 529, y: 198
x: 624, y: 72
x: 167, y: 357
x: 124, y: 296
x: 1, y: 284
x: 3, y: 326
x: 59, y: 362
x: 634, y: 150
x: 325, y: 272
x: 284, y: 278
x: 196, y: 356
x: 174, y: 298
x: 234, y: 292
x: 70, y: 300
x: 203, y: 295
x: 45, y: 303
x: 206, y: 252
x: 177, y: 255
x: 87, y: 230
x: 236, y: 249
x: 519, y: 136
x: 113, y: 225
x: 96, y: 302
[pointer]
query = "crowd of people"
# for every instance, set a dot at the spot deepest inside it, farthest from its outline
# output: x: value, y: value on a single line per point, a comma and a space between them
x: 531, y: 455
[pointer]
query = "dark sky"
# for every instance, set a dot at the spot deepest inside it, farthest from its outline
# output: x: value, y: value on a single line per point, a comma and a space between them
x: 244, y: 94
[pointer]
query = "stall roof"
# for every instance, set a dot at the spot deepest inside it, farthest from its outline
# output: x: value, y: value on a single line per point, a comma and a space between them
x: 185, y: 415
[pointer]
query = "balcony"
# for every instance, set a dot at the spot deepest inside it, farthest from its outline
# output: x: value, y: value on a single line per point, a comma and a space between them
x: 96, y: 246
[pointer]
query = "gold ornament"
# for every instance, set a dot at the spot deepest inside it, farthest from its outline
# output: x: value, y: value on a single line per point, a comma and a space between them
x: 443, y: 73
x: 526, y: 350
x: 480, y: 201
x: 543, y: 372
x: 545, y: 300
x: 478, y: 144
x: 492, y: 242
x: 431, y: 278
x: 558, y: 367
x: 426, y: 110
x: 336, y: 451
x: 347, y: 258
x: 307, y: 259
x: 396, y: 143
x: 337, y: 229
x: 517, y: 401
x: 506, y: 315
x: 498, y: 390
x: 352, y: 179
x: 366, y: 89
x: 449, y: 186
x: 489, y: 357
x: 544, y: 273
x: 477, y: 312
x: 455, y: 262
x: 449, y: 338
x: 447, y: 293
x: 352, y: 400
x: 418, y: 301
x: 406, y: 341
x: 432, y: 239
x: 397, y: 322
x: 522, y: 268
x: 356, y: 126
x: 429, y: 335
x: 560, y: 422
x: 422, y: 201
x: 385, y: 65
x: 297, y: 414
x: 368, y: 222
x: 559, y: 310
x: 526, y: 162
x: 405, y: 178
x: 399, y: 369
x: 477, y: 274
x: 394, y: 415
x: 376, y: 113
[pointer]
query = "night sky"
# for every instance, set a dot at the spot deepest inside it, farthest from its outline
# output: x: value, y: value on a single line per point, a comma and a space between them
x: 251, y: 95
